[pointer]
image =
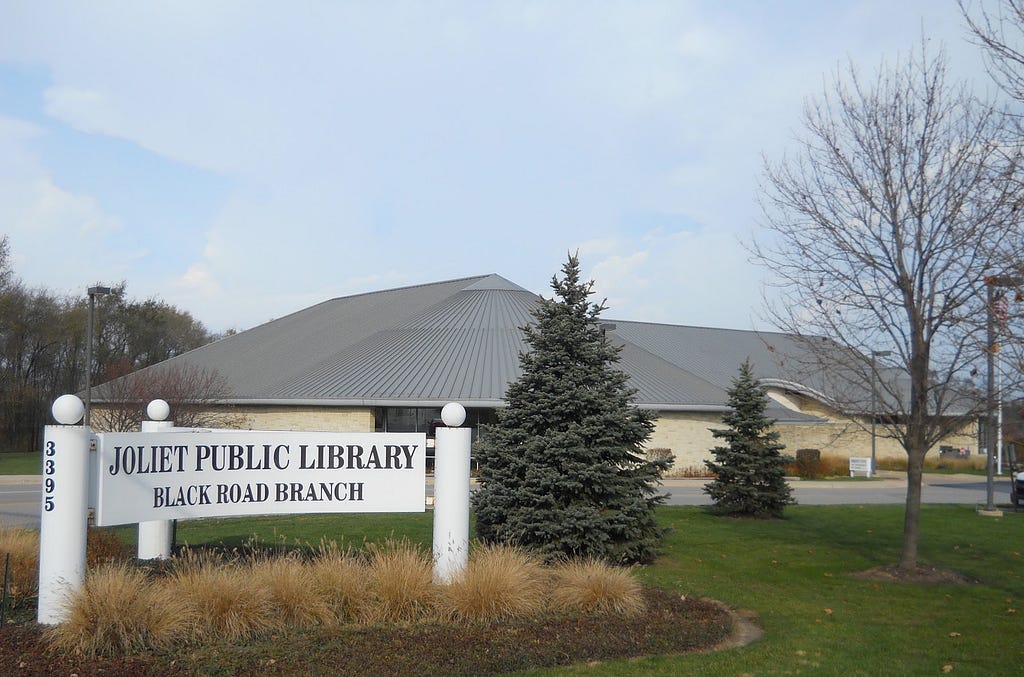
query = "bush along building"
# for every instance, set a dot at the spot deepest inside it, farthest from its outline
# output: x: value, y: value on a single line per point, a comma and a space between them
x: 389, y: 360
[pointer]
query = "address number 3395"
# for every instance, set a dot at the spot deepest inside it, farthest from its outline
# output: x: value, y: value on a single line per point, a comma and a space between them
x: 49, y: 469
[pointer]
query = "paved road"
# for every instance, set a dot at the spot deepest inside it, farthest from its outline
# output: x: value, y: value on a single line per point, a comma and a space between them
x: 20, y: 495
x: 20, y: 500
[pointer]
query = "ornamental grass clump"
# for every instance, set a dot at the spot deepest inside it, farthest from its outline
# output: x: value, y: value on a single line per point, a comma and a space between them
x: 401, y: 580
x: 593, y: 586
x: 340, y: 579
x: 221, y: 599
x: 118, y: 611
x: 291, y: 587
x: 23, y: 566
x: 499, y: 582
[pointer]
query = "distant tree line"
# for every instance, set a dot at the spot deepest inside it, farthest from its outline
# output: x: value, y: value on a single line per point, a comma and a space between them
x: 43, y: 346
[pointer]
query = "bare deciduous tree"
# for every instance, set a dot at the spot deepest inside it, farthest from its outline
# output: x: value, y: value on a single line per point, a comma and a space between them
x: 1000, y: 34
x: 999, y: 31
x: 194, y: 394
x: 901, y: 197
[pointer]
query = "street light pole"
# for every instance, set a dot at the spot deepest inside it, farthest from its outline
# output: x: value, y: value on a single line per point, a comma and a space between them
x: 991, y: 282
x: 875, y: 354
x: 93, y: 293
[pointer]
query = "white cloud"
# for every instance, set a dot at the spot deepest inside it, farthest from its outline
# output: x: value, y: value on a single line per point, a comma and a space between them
x: 654, y: 277
x: 88, y: 110
x: 364, y: 145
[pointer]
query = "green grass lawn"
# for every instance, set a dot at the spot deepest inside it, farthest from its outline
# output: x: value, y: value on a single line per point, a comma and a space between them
x: 304, y: 531
x: 21, y: 463
x: 795, y: 574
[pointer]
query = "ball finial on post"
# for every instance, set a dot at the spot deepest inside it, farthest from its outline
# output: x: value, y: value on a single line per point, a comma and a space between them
x: 158, y: 410
x: 68, y: 409
x: 453, y: 414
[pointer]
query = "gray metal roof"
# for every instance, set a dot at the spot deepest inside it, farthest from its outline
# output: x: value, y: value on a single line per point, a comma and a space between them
x: 459, y: 340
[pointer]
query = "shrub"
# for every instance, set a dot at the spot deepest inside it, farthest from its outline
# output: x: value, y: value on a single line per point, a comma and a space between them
x: 824, y: 466
x: 807, y: 464
x: 593, y: 586
x: 23, y: 574
x: 102, y: 546
x: 401, y: 580
x: 119, y: 611
x: 499, y: 582
x: 662, y: 457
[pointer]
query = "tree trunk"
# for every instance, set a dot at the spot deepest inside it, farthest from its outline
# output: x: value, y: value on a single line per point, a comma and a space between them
x: 912, y: 514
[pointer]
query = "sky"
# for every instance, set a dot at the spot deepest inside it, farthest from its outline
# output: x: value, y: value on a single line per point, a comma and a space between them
x: 245, y: 160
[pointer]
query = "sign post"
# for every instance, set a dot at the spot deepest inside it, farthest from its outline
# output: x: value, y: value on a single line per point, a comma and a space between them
x: 155, y: 535
x: 64, y: 518
x: 451, y: 495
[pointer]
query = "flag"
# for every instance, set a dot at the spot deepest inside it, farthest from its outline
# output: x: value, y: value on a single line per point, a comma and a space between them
x: 1000, y: 307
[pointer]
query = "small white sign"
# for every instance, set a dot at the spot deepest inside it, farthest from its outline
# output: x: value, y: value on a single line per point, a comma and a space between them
x: 181, y: 475
x: 860, y: 464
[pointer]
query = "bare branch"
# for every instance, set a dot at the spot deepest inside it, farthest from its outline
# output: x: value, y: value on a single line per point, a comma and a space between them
x: 196, y: 397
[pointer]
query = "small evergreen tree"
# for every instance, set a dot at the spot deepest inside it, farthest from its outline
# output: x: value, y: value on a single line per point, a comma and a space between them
x: 751, y: 470
x: 562, y: 471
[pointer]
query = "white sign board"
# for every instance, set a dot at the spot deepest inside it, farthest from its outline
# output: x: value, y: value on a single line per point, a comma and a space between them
x: 860, y: 464
x: 181, y: 475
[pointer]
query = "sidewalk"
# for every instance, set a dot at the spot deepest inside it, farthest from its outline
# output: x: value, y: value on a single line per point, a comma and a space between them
x: 884, y: 478
x: 21, y: 479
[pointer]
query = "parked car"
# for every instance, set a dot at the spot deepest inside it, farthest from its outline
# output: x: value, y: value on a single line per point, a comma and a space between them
x: 1016, y: 478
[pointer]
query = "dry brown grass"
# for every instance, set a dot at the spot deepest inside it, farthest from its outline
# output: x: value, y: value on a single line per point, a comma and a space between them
x: 340, y: 579
x: 119, y: 611
x: 976, y: 462
x: 401, y: 580
x: 689, y: 472
x: 214, y: 598
x: 499, y: 582
x: 293, y: 591
x: 596, y: 587
x: 23, y: 573
x: 222, y: 602
x: 103, y: 547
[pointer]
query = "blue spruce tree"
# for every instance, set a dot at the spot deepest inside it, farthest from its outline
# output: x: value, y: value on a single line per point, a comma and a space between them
x: 751, y: 470
x: 562, y: 471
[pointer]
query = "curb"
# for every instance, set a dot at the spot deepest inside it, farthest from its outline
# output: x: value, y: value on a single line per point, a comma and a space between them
x: 21, y: 479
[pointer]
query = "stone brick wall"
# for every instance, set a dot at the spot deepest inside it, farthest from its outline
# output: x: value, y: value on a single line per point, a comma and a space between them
x: 688, y: 436
x: 326, y: 419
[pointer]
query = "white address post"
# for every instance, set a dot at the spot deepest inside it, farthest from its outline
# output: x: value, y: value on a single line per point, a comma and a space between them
x: 155, y: 535
x: 451, y: 494
x: 64, y: 517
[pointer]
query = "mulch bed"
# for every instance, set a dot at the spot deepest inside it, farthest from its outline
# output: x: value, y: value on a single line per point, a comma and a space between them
x: 929, y: 575
x: 671, y: 625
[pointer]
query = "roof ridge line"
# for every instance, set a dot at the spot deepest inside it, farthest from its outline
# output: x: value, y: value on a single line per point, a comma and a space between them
x: 406, y: 287
x: 697, y: 326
